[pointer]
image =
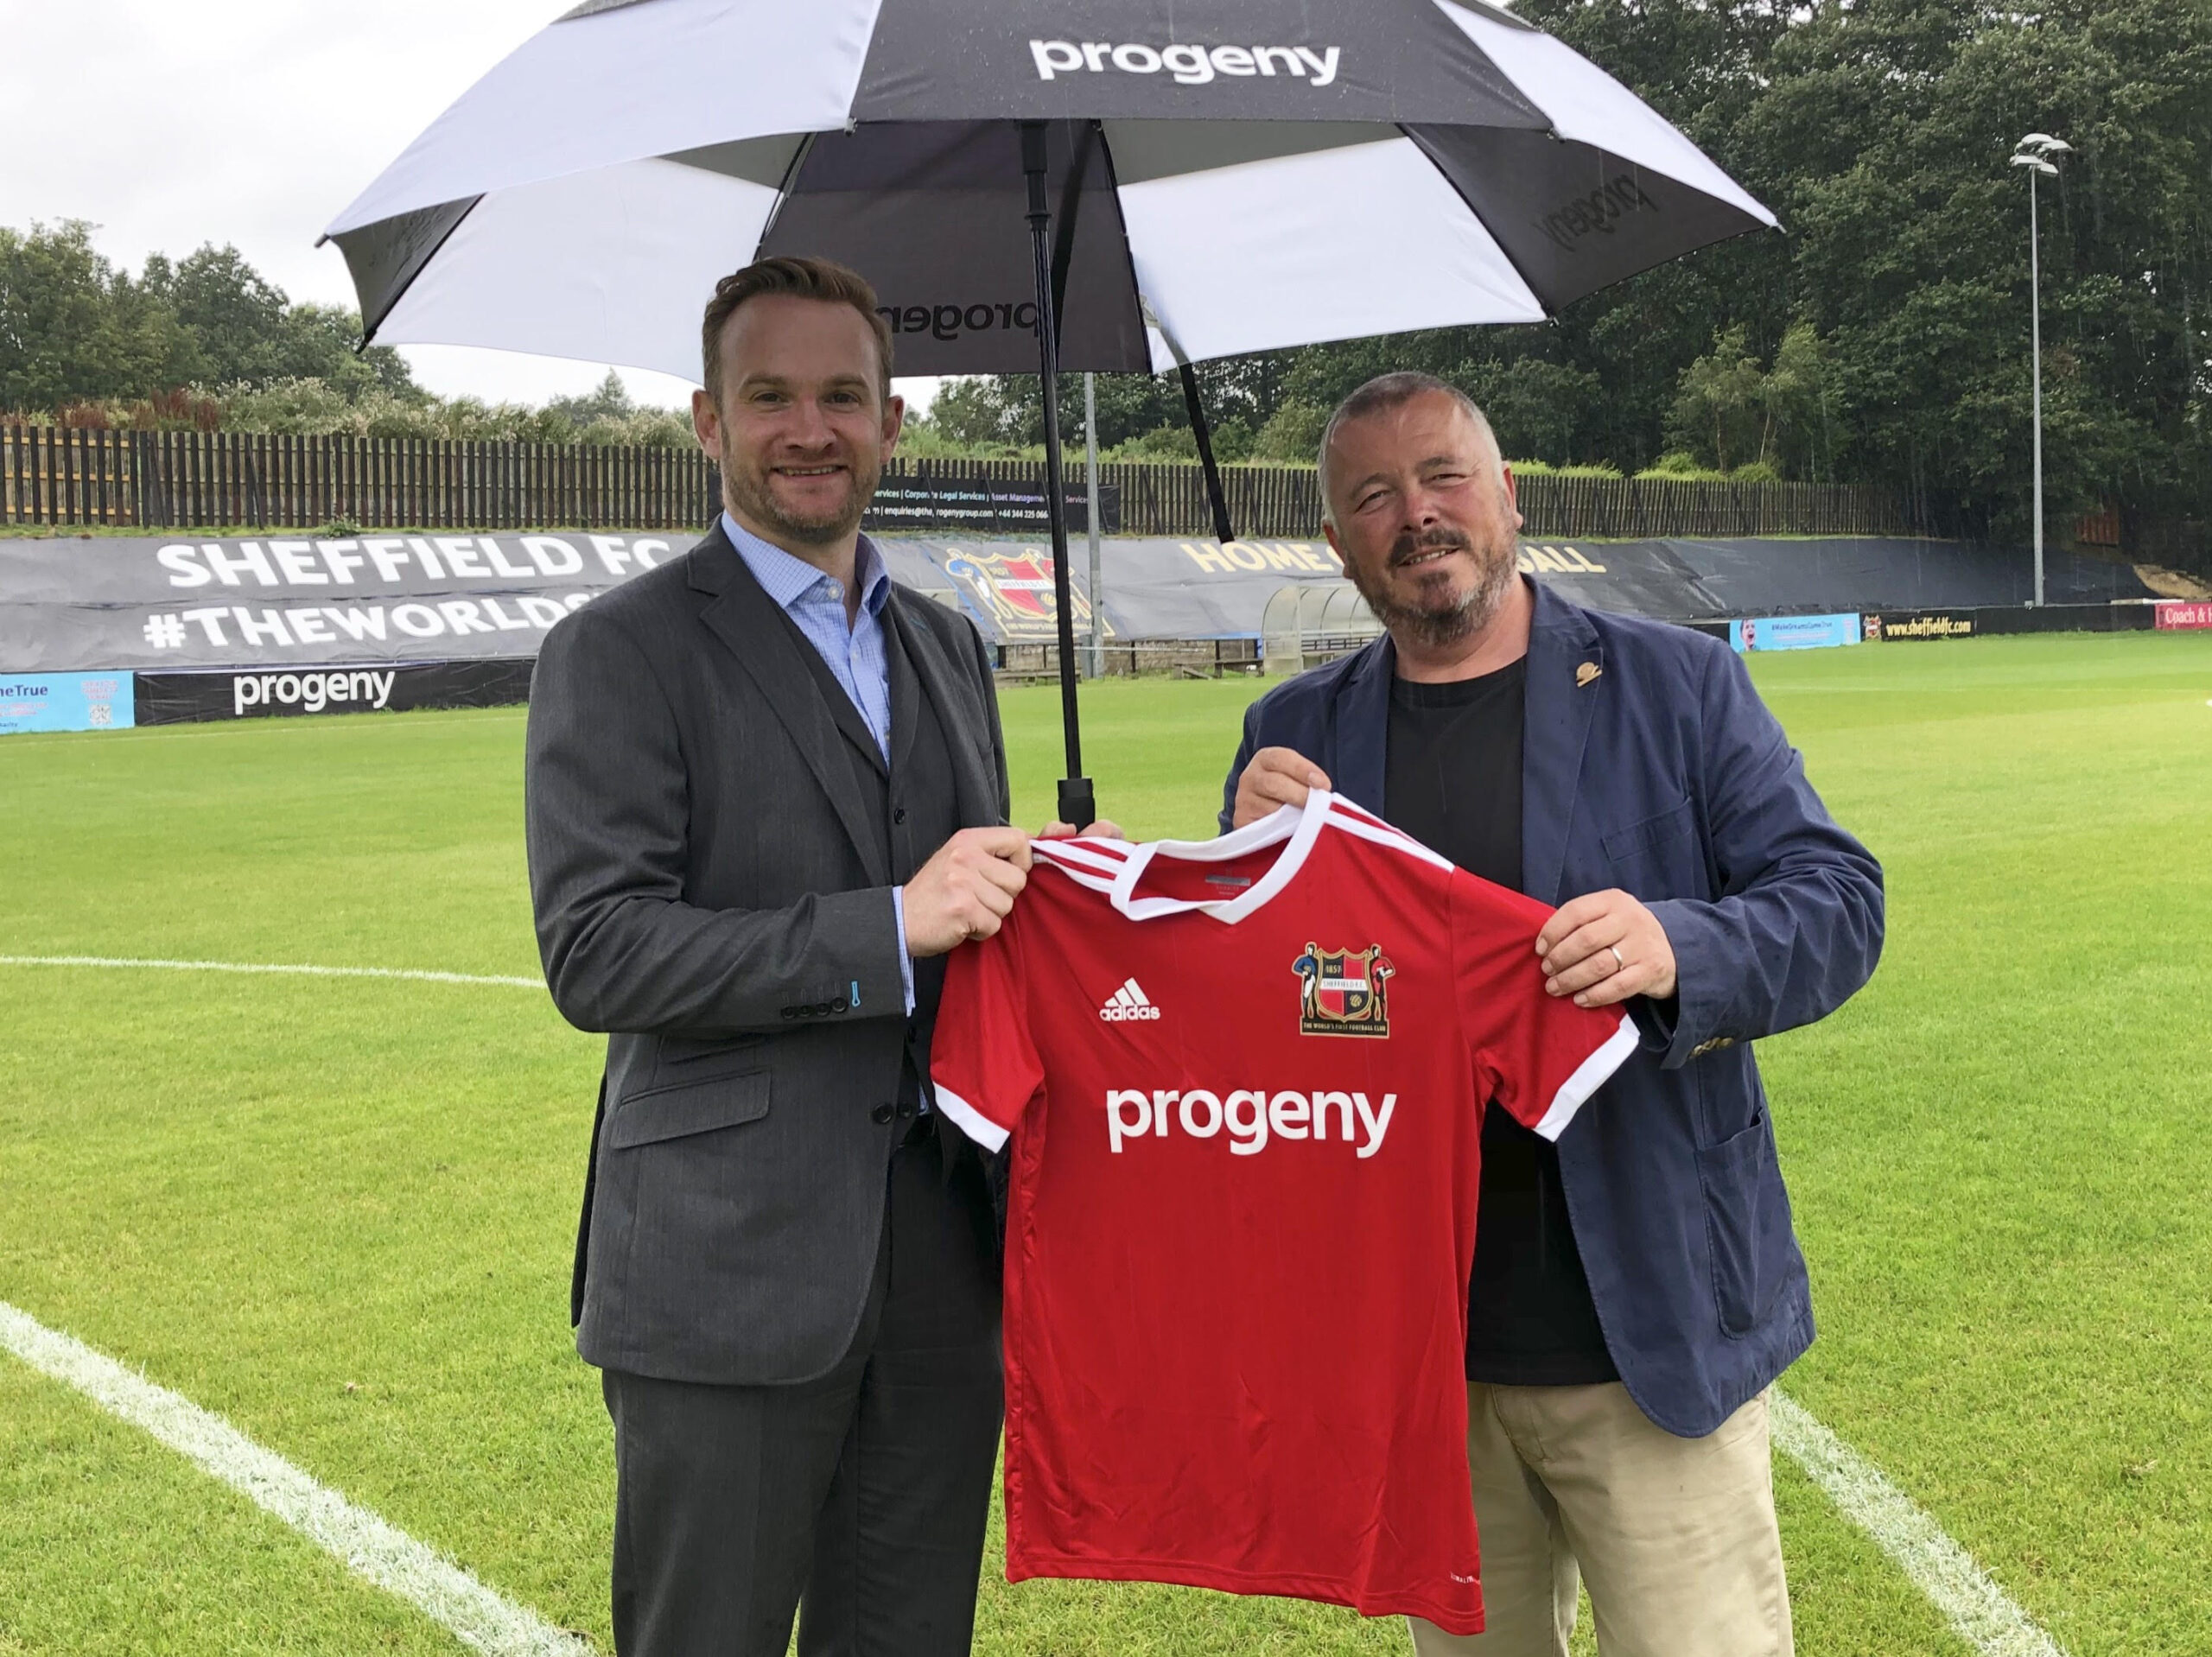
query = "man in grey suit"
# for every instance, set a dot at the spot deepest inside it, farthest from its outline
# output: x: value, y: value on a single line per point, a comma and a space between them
x: 767, y: 792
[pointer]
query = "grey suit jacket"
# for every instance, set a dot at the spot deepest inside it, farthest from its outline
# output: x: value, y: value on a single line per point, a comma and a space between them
x: 708, y: 892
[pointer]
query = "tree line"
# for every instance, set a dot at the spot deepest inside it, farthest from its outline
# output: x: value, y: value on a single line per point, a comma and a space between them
x: 1881, y: 337
x: 208, y: 342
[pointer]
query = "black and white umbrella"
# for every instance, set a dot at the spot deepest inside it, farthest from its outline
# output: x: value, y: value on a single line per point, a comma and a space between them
x: 1160, y: 182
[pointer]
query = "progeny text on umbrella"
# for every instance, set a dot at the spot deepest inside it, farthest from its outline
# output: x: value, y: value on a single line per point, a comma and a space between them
x: 1193, y: 65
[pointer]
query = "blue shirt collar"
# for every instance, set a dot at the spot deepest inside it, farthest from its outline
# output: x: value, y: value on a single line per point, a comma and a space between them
x: 787, y: 579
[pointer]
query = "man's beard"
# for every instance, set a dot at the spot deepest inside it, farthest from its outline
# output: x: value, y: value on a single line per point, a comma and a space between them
x: 750, y: 490
x: 1446, y: 618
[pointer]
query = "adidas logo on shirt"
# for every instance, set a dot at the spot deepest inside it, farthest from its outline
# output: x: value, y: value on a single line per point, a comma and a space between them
x: 1127, y: 1005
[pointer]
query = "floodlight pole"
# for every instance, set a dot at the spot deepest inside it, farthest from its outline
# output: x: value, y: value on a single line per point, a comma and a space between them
x: 1097, y: 665
x: 2035, y: 334
x: 2035, y: 153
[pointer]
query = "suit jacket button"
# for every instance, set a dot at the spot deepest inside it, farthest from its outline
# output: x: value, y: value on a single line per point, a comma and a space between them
x: 899, y: 814
x: 791, y: 1012
x: 837, y: 1006
x: 822, y: 1009
x: 881, y: 1113
x: 906, y: 1109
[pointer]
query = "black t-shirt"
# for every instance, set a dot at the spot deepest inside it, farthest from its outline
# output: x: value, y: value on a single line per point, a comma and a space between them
x: 1452, y: 780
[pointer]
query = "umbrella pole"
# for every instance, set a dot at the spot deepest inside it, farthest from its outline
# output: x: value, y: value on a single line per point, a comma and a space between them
x: 1199, y: 430
x: 1077, y: 803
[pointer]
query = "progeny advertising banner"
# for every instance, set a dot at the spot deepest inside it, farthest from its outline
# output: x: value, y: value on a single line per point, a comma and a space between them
x: 972, y: 501
x: 175, y: 698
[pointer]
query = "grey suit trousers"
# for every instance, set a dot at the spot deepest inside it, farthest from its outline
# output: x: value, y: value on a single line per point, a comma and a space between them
x: 861, y: 1494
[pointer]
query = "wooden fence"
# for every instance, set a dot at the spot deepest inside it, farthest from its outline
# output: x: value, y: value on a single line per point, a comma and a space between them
x: 242, y: 480
x: 220, y: 481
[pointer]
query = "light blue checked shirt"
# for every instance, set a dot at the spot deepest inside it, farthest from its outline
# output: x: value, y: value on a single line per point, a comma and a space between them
x: 854, y: 655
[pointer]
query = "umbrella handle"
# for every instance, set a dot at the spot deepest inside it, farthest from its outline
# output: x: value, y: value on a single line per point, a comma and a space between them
x: 1077, y: 803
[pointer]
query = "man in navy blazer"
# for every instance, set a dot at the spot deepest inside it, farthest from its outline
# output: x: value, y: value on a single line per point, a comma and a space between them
x: 1634, y: 1297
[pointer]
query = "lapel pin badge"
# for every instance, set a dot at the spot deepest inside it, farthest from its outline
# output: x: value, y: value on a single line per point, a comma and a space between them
x: 1587, y: 675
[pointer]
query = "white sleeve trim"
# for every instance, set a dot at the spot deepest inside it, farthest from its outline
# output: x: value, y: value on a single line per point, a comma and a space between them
x: 1588, y: 1077
x: 1091, y: 853
x: 980, y: 1128
x: 1082, y: 864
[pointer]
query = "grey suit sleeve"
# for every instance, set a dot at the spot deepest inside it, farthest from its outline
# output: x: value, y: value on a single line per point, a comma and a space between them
x: 607, y: 806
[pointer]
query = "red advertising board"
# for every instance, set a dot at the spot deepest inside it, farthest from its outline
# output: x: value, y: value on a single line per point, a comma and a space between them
x: 2184, y: 614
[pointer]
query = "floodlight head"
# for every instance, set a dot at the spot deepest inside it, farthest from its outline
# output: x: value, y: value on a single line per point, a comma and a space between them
x: 2037, y: 141
x: 2036, y: 163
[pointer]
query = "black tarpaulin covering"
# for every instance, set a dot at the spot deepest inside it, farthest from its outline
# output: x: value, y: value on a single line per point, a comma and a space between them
x: 1758, y: 578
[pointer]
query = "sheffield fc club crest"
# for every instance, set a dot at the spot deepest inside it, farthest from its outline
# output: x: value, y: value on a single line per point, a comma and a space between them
x: 1014, y: 590
x: 1345, y: 992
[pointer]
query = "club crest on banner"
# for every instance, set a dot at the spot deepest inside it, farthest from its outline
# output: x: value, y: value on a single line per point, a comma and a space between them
x: 1014, y: 590
x: 1343, y: 992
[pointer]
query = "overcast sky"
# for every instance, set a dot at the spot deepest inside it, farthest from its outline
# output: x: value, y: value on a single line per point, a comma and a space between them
x: 172, y: 123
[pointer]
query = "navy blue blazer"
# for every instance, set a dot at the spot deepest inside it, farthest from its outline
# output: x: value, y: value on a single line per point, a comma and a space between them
x: 1666, y: 776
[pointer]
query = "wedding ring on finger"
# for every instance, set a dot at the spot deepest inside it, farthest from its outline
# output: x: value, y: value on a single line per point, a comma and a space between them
x: 1619, y: 965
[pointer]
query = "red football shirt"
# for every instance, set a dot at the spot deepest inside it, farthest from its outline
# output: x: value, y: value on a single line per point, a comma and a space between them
x: 1243, y: 1079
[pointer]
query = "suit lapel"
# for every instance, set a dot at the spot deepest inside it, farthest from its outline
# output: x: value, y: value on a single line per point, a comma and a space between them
x: 1362, y: 708
x: 840, y: 704
x: 761, y: 638
x: 905, y: 688
x: 1554, y: 730
x: 975, y: 793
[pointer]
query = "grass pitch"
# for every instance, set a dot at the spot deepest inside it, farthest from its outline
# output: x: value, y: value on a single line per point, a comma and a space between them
x: 339, y: 1211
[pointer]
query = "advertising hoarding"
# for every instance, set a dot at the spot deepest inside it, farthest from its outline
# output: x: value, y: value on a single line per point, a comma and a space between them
x: 65, y: 701
x: 1793, y: 633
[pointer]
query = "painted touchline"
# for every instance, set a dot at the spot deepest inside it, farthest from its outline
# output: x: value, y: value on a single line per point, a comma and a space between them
x: 1984, y: 1615
x: 365, y: 1544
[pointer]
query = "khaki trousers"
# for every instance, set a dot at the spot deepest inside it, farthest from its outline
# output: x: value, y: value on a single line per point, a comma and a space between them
x: 1676, y: 1536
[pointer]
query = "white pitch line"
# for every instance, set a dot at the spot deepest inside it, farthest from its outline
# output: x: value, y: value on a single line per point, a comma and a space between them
x: 1984, y: 1614
x: 273, y: 967
x: 364, y: 1543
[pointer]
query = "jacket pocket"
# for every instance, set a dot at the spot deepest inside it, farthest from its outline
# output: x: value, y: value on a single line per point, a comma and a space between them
x: 1626, y: 844
x: 675, y: 1111
x: 679, y: 1059
x: 1746, y: 1221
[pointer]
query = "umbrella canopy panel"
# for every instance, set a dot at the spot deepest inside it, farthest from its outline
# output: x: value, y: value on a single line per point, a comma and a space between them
x: 933, y: 214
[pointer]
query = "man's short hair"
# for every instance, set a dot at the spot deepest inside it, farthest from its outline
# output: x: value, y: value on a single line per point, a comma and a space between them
x: 1384, y: 393
x: 805, y: 278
